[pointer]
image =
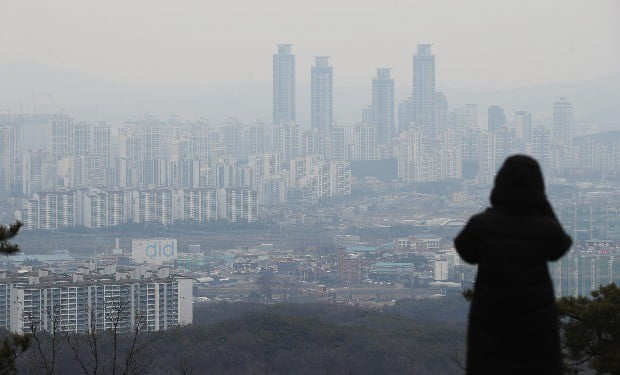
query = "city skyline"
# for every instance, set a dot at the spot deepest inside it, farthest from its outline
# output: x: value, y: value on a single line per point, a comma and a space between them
x: 183, y: 182
x: 168, y: 170
x: 249, y: 101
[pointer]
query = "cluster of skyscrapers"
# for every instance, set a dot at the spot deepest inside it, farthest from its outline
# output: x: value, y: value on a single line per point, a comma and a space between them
x: 430, y: 142
x: 168, y: 171
x: 59, y: 172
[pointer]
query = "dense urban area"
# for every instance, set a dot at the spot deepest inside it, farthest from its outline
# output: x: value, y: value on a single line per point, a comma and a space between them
x: 158, y: 223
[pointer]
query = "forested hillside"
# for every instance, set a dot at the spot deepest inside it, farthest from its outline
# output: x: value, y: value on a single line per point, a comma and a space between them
x: 245, y: 338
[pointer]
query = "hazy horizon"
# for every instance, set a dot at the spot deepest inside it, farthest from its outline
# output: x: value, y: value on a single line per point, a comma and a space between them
x: 481, y: 45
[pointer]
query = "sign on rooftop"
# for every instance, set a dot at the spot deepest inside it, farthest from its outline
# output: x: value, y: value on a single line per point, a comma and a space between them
x: 154, y: 251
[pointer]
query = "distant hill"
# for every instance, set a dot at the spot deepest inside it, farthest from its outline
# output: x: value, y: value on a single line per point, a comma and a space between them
x: 26, y: 86
x: 597, y: 102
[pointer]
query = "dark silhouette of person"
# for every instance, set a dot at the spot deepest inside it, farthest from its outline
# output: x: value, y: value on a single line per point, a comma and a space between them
x: 513, y: 323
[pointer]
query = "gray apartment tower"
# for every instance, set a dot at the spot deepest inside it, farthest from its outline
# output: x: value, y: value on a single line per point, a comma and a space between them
x: 383, y: 106
x: 496, y: 118
x: 283, y: 85
x: 562, y: 131
x: 523, y: 124
x: 322, y: 95
x: 424, y: 89
x: 405, y: 114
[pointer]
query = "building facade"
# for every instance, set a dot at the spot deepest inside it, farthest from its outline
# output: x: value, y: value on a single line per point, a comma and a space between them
x: 283, y: 85
x: 424, y: 89
x: 82, y: 304
x: 383, y: 106
x: 322, y: 94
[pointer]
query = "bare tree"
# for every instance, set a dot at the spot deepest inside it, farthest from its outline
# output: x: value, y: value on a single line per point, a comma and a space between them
x: 137, y: 357
x: 186, y: 367
x: 116, y: 316
x: 46, y: 350
x: 92, y: 338
x: 130, y: 344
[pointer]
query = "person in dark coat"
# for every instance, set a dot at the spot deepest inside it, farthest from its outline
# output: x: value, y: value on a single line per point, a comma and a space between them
x: 513, y: 327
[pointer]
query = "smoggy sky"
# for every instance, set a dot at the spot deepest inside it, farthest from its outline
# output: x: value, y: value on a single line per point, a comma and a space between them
x: 479, y: 44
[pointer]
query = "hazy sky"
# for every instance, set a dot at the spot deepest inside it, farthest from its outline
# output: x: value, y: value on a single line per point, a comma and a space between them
x: 478, y: 44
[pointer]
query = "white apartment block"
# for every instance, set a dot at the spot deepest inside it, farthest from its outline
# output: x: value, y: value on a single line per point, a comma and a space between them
x: 37, y: 301
x: 334, y: 178
x: 364, y: 143
x: 98, y: 208
x: 235, y: 204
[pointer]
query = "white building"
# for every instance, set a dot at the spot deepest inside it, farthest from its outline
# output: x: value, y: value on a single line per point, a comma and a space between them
x: 364, y: 143
x: 333, y: 178
x: 155, y: 300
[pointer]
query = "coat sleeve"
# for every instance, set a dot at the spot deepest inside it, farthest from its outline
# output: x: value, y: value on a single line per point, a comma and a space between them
x: 559, y: 242
x: 468, y: 241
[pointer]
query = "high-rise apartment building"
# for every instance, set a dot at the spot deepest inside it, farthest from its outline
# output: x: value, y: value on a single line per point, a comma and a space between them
x: 465, y: 117
x: 236, y: 204
x: 562, y: 131
x: 338, y: 142
x: 33, y: 128
x: 424, y: 89
x: 405, y: 114
x: 256, y: 138
x: 440, y: 112
x: 313, y: 142
x: 540, y: 147
x: 322, y: 94
x: 8, y: 152
x: 506, y: 144
x: 383, y: 106
x: 82, y: 139
x: 283, y: 85
x: 265, y: 165
x: 101, y: 153
x: 290, y: 140
x: 364, y: 147
x: 33, y: 171
x: 333, y: 178
x: 234, y: 136
x: 496, y: 118
x: 523, y: 126
x: 62, y: 137
x: 77, y: 304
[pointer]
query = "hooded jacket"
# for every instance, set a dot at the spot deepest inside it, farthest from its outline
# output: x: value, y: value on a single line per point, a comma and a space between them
x: 513, y: 325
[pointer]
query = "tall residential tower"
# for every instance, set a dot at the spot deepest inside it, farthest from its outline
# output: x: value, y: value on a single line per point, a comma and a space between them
x: 383, y: 106
x: 322, y: 95
x: 283, y: 85
x: 496, y: 118
x: 562, y: 131
x: 424, y: 89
